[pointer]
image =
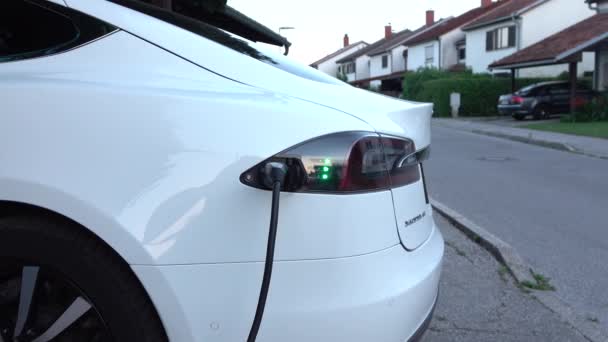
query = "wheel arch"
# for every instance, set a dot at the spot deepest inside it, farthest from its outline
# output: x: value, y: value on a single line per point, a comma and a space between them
x: 15, y: 209
x: 25, y: 199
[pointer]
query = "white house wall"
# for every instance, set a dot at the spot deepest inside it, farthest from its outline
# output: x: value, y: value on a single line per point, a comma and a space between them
x: 376, y: 66
x: 535, y: 25
x: 398, y: 60
x: 417, y: 56
x: 478, y: 58
x: 555, y: 16
x: 587, y: 64
x: 550, y: 18
x: 330, y: 66
x: 449, y: 54
x: 362, y: 65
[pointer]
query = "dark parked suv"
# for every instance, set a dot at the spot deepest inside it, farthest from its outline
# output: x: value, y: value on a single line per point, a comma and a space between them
x: 542, y: 99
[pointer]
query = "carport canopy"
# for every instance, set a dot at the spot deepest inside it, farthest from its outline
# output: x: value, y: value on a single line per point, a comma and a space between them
x: 565, y: 47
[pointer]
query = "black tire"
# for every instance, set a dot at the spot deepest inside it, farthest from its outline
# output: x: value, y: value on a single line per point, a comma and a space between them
x: 519, y: 117
x: 541, y: 112
x: 103, y: 278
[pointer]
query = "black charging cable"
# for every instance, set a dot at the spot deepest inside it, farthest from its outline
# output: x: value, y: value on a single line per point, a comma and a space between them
x: 274, y: 176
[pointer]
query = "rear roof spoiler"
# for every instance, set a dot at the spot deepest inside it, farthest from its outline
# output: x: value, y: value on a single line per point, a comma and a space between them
x: 235, y: 22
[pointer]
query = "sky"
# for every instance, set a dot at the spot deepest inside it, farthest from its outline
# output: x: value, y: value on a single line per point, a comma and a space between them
x: 320, y: 25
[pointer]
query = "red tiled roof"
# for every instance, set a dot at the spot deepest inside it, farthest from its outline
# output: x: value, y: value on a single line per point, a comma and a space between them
x: 452, y: 24
x: 560, y: 46
x: 332, y: 55
x: 506, y: 11
x: 395, y: 40
x: 351, y: 57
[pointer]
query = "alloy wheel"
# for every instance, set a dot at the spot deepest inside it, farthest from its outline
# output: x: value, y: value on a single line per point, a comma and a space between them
x: 38, y: 304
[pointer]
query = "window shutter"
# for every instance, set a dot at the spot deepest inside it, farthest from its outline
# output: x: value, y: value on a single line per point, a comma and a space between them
x: 489, y: 43
x: 512, y: 36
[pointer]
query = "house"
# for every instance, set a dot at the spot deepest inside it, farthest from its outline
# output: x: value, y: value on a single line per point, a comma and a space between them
x: 357, y: 64
x: 444, y: 46
x: 383, y: 63
x: 517, y: 24
x: 567, y: 47
x: 386, y: 61
x: 328, y: 63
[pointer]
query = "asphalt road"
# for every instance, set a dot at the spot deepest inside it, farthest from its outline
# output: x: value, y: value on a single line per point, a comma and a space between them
x: 479, y: 301
x: 551, y: 206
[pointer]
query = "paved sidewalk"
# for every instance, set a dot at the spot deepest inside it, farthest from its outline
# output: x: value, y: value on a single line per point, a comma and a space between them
x: 594, y: 147
x: 479, y: 301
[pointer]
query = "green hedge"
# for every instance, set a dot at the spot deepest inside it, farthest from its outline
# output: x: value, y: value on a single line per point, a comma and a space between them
x: 479, y: 92
x: 479, y: 97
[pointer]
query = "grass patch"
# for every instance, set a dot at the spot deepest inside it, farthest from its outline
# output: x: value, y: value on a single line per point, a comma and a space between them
x: 597, y: 129
x: 542, y: 283
x: 502, y: 272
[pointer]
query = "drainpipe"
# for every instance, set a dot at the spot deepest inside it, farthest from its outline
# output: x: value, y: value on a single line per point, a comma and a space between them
x: 518, y: 33
x: 440, y: 56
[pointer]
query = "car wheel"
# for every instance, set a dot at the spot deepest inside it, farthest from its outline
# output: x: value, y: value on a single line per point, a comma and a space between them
x: 519, y: 117
x: 60, y: 283
x: 541, y: 112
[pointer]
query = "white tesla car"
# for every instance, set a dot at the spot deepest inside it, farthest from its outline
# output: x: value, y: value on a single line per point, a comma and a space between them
x: 163, y: 177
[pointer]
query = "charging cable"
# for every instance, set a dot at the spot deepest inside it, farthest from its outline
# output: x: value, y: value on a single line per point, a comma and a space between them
x: 274, y: 176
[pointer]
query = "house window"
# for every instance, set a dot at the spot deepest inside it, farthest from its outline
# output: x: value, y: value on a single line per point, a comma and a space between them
x: 350, y: 68
x: 429, y: 54
x: 384, y: 61
x: 462, y: 54
x: 339, y: 69
x: 500, y: 38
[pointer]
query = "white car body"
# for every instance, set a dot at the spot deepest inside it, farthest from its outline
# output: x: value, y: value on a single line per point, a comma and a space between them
x: 141, y: 136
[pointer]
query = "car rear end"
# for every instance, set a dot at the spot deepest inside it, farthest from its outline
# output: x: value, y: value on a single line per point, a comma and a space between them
x: 515, y: 105
x: 353, y: 187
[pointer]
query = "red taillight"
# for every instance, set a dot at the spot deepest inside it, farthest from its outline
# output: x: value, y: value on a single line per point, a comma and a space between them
x: 345, y: 163
x: 517, y: 100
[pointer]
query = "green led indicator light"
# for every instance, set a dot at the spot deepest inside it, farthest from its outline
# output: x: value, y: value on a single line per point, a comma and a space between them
x: 327, y: 161
x: 325, y: 177
x: 325, y: 168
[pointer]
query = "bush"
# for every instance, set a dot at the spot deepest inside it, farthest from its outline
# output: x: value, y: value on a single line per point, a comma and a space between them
x: 413, y: 81
x: 342, y: 76
x: 596, y: 110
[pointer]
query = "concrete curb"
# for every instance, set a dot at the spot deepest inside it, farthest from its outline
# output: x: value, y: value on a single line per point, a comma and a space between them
x: 530, y: 140
x: 522, y: 271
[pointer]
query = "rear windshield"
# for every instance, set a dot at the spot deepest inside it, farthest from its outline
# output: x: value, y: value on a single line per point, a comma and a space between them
x: 184, y: 14
x: 526, y: 90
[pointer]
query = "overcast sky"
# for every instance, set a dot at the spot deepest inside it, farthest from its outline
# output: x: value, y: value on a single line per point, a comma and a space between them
x: 321, y: 24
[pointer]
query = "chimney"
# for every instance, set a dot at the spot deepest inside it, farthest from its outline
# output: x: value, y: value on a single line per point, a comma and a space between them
x: 346, y: 40
x: 430, y: 17
x: 486, y: 3
x: 388, y: 31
